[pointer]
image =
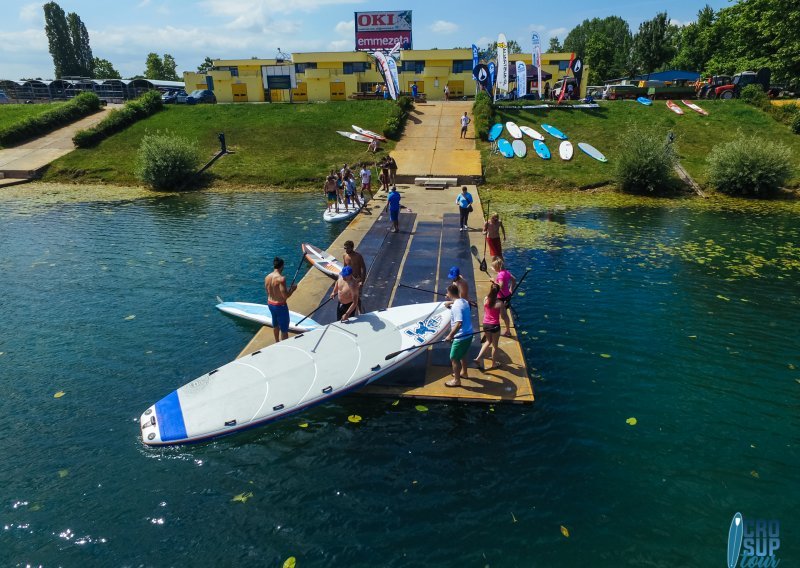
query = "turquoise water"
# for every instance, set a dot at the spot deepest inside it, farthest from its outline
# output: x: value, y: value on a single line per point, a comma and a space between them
x: 113, y: 305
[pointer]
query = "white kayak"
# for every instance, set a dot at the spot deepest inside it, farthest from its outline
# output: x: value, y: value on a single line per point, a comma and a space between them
x: 530, y: 132
x: 322, y: 261
x: 368, y: 133
x: 354, y: 136
x: 332, y: 216
x: 292, y: 375
x: 259, y: 313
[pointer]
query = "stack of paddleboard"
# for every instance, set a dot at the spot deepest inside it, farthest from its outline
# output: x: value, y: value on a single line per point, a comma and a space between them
x: 292, y: 375
x: 361, y: 135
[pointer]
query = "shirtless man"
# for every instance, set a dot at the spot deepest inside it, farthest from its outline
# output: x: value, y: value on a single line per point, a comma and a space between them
x: 355, y: 261
x: 330, y: 191
x: 277, y: 294
x: 492, y: 229
x: 460, y: 281
x: 348, y: 289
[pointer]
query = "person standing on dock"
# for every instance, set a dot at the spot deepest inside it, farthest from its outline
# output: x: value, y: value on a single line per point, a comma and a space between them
x: 366, y: 180
x: 460, y: 281
x: 384, y: 165
x: 491, y: 325
x: 464, y: 202
x: 392, y: 165
x: 507, y: 282
x: 393, y: 206
x: 492, y: 229
x: 348, y: 290
x: 330, y: 191
x: 277, y: 294
x: 464, y: 124
x: 460, y: 334
x: 354, y: 260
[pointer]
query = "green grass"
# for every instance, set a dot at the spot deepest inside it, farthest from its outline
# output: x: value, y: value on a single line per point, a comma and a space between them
x: 10, y: 114
x: 278, y: 145
x: 606, y: 129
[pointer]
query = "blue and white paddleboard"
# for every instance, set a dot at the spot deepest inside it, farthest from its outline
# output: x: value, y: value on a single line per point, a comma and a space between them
x: 520, y: 149
x: 259, y: 313
x: 495, y: 131
x: 504, y: 146
x: 292, y: 375
x: 645, y: 101
x: 541, y: 149
x: 735, y: 535
x: 591, y: 151
x: 554, y: 132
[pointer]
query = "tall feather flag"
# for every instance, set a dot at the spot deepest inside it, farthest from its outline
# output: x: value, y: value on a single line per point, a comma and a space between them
x: 502, y: 63
x: 522, y: 79
x: 537, y: 60
x: 564, y: 83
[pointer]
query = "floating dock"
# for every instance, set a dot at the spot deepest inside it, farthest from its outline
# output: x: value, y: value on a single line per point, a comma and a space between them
x: 419, y: 256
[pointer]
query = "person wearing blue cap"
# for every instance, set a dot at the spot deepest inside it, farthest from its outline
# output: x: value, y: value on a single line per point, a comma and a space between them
x: 347, y: 288
x: 460, y: 281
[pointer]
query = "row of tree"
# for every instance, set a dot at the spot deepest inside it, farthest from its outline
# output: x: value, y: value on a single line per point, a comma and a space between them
x: 68, y: 41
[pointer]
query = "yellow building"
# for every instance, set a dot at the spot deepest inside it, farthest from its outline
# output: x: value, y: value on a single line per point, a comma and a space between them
x: 432, y: 69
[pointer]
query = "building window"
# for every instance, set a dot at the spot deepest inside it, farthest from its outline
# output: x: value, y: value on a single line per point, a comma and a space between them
x: 563, y: 65
x: 355, y: 67
x: 416, y: 67
x: 301, y: 67
x: 463, y: 66
x: 234, y: 71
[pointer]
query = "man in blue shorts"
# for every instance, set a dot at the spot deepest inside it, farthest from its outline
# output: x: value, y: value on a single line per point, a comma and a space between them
x: 393, y: 205
x: 460, y: 334
x: 277, y: 294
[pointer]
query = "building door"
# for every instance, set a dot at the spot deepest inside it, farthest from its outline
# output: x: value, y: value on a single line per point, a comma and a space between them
x: 276, y: 95
x: 420, y: 86
x: 338, y: 92
x: 239, y: 92
x: 300, y: 94
x: 456, y: 88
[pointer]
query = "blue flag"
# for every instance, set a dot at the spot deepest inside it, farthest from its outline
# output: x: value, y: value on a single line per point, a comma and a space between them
x: 492, y: 69
x: 475, y: 56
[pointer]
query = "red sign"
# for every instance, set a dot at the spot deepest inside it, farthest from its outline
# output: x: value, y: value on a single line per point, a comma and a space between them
x: 381, y: 31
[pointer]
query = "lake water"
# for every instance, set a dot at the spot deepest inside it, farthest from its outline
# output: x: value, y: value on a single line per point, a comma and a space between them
x: 685, y: 320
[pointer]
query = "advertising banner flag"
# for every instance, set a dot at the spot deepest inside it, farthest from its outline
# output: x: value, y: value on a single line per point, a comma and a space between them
x: 537, y: 60
x: 522, y: 79
x: 564, y: 82
x: 502, y: 63
x: 392, y: 64
x: 481, y: 74
x: 475, y: 56
x: 492, y: 74
x: 577, y: 70
x: 383, y: 68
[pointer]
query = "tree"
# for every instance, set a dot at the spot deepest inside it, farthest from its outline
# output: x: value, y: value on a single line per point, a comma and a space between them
x: 491, y: 49
x: 59, y: 40
x: 610, y: 40
x: 652, y: 45
x: 84, y: 60
x: 161, y: 69
x: 695, y: 42
x: 103, y: 69
x: 600, y: 55
x: 554, y: 46
x: 169, y: 67
x: 205, y: 66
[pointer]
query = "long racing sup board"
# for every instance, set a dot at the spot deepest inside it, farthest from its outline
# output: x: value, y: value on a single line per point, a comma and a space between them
x: 259, y: 313
x: 368, y: 133
x: 695, y: 108
x: 674, y: 108
x: 355, y: 136
x: 322, y: 261
x: 292, y: 375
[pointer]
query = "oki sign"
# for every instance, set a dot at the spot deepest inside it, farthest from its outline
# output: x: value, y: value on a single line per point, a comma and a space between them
x: 378, y: 31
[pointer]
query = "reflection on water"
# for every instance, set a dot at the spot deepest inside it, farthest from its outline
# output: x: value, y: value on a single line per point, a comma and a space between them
x: 641, y: 313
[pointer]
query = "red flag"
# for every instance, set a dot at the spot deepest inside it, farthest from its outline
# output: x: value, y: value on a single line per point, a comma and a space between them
x: 564, y: 84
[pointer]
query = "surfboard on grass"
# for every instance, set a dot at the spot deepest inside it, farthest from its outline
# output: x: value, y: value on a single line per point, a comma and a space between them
x: 355, y: 136
x: 514, y: 130
x: 368, y: 133
x: 554, y: 132
x: 260, y: 313
x: 530, y: 132
x: 322, y: 261
x: 504, y: 147
x: 591, y: 151
x: 541, y: 149
x: 519, y: 148
x: 565, y: 150
x: 293, y: 375
x: 695, y: 108
x: 674, y: 108
x: 495, y: 131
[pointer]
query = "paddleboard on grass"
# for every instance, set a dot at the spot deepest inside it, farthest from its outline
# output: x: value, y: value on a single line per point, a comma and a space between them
x: 322, y: 261
x: 355, y: 136
x: 695, y: 108
x: 495, y: 131
x: 519, y: 147
x: 530, y: 132
x: 504, y: 146
x: 554, y: 132
x: 292, y: 375
x: 260, y: 313
x: 674, y: 108
x: 645, y: 101
x: 514, y: 130
x: 541, y: 149
x: 565, y: 150
x: 591, y: 151
x: 368, y: 133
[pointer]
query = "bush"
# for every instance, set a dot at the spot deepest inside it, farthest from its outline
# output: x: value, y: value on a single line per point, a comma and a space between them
x: 784, y: 113
x: 82, y: 105
x: 406, y: 103
x: 796, y: 123
x: 755, y: 95
x: 645, y: 164
x: 119, y: 119
x: 749, y: 166
x: 166, y: 161
x: 396, y: 121
x: 483, y: 114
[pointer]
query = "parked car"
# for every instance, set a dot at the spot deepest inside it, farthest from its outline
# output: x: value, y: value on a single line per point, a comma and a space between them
x: 201, y: 96
x: 174, y: 96
x: 4, y: 100
x: 617, y: 92
x: 556, y: 92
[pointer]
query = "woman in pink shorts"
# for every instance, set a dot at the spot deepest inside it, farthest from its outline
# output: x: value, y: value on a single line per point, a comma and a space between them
x: 507, y: 282
x: 491, y: 325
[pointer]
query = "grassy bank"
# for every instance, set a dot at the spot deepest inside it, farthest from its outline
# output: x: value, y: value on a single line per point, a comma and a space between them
x: 278, y: 145
x: 606, y: 129
x: 11, y: 114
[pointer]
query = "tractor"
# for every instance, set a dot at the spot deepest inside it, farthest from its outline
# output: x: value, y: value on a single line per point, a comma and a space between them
x: 741, y: 80
x: 705, y: 89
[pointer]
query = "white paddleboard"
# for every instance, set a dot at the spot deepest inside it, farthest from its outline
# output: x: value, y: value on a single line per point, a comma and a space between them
x: 565, y: 150
x: 528, y: 131
x: 322, y: 261
x: 292, y: 375
x: 519, y: 147
x: 354, y: 136
x: 331, y: 216
x: 514, y: 130
x: 368, y: 133
x: 259, y: 313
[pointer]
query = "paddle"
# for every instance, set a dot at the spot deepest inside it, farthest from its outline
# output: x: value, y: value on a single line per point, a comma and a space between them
x: 296, y: 272
x: 396, y: 353
x: 485, y: 240
x: 514, y: 291
x: 315, y: 310
x: 471, y: 303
